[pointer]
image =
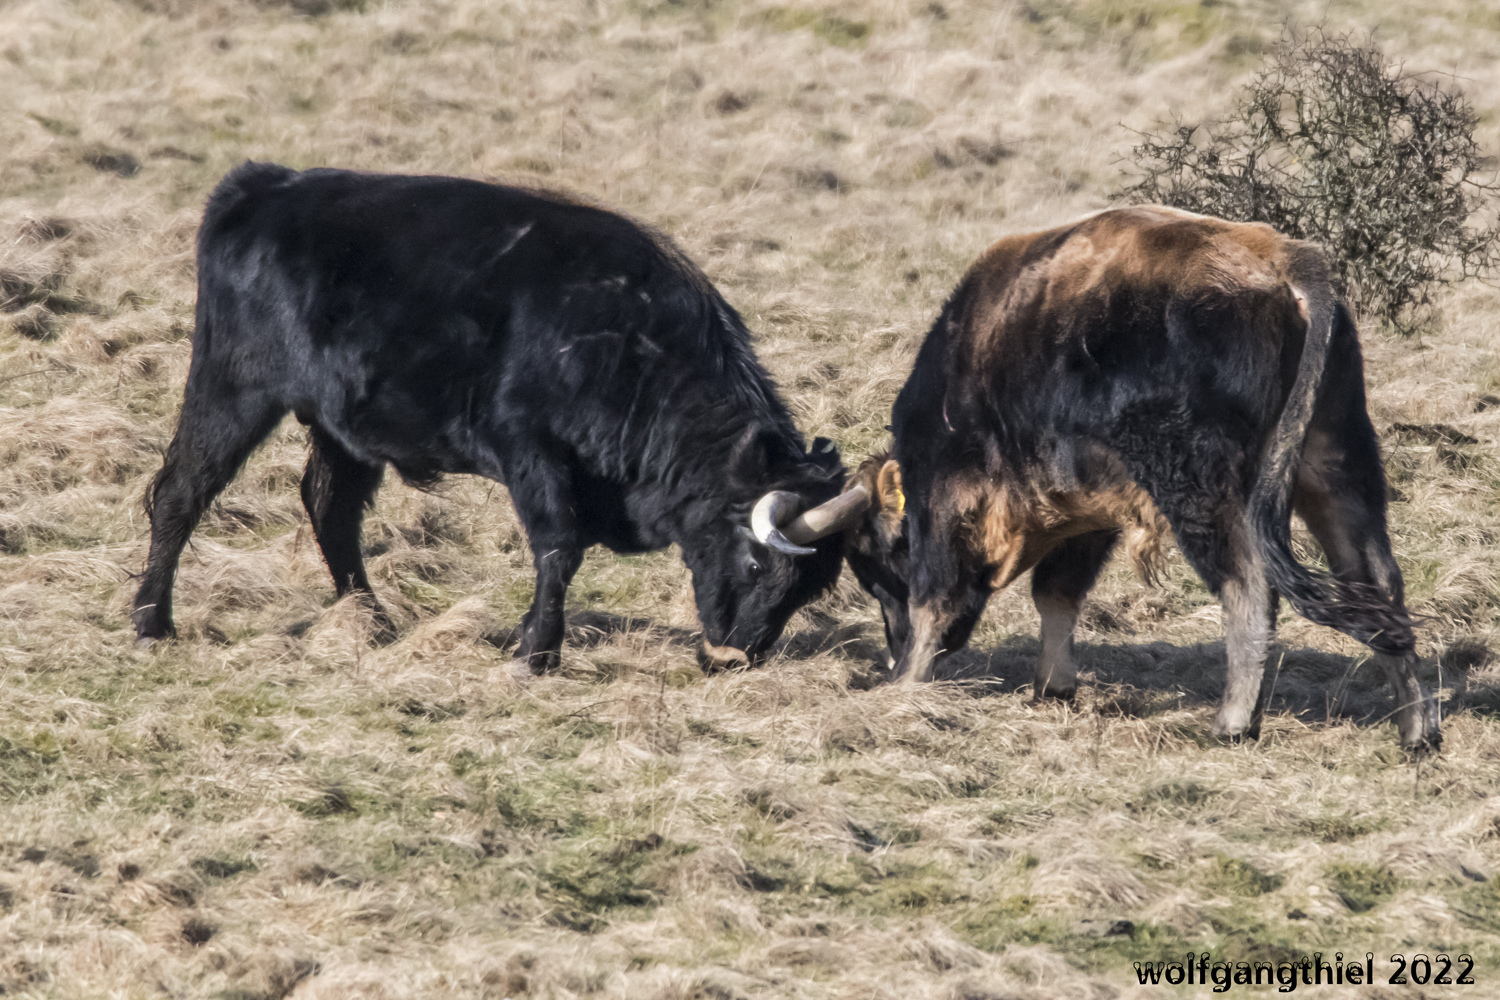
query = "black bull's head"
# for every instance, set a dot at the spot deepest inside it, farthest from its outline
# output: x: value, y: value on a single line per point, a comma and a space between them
x: 748, y: 580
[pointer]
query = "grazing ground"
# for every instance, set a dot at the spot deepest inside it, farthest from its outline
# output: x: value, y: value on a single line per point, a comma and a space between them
x: 274, y: 806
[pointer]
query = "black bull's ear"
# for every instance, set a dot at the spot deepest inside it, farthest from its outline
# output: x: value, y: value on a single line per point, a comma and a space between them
x: 749, y: 459
x: 825, y: 455
x: 759, y: 450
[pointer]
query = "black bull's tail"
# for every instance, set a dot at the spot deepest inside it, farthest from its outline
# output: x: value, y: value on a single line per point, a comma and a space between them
x: 1358, y: 610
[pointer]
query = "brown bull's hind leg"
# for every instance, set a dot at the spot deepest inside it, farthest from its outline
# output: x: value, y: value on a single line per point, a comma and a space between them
x: 1341, y: 495
x: 1416, y: 712
x: 1347, y: 517
x: 1249, y: 628
x: 1214, y: 536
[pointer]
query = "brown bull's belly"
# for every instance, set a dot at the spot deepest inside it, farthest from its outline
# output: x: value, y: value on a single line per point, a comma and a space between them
x: 1012, y: 526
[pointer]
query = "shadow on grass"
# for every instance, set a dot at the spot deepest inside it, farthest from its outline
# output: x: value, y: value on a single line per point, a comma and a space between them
x: 588, y: 628
x: 1130, y: 679
x: 1144, y: 679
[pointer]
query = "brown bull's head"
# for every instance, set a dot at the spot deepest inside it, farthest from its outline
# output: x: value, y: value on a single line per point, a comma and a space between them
x: 876, y: 548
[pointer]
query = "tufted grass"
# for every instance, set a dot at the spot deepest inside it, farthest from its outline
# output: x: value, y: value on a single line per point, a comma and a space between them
x: 275, y: 806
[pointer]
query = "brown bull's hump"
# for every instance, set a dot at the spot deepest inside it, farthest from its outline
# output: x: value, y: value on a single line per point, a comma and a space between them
x: 1144, y: 248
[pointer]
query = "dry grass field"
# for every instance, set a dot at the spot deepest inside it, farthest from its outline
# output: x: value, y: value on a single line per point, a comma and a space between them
x: 274, y: 806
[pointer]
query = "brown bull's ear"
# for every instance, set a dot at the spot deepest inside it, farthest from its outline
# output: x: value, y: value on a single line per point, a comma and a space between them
x: 888, y: 488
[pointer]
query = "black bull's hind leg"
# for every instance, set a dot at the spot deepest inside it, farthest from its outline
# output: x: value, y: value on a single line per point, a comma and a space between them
x: 337, y: 488
x: 219, y: 427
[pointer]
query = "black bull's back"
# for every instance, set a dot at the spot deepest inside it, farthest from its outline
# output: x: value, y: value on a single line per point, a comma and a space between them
x: 444, y: 325
x: 416, y: 317
x: 1140, y: 365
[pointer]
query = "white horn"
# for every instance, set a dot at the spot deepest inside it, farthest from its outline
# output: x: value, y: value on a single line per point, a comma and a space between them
x: 765, y: 522
x: 835, y: 515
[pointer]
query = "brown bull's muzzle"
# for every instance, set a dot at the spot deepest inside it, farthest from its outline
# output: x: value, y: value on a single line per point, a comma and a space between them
x: 722, y: 657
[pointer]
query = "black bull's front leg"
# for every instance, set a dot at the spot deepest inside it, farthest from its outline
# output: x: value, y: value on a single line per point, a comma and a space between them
x: 540, y: 648
x: 541, y: 485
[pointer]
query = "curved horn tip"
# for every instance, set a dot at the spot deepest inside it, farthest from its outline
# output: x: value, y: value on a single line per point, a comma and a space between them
x: 769, y: 513
x: 778, y: 542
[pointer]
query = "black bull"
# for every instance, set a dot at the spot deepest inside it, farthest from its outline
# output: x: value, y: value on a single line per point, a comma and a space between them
x: 449, y: 326
x: 1142, y: 370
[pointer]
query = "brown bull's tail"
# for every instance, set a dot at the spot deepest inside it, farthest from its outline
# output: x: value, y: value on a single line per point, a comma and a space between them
x: 1360, y: 611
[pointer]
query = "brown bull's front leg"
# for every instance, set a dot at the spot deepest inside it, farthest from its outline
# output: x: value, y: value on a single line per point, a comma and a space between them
x: 941, y: 625
x: 1058, y: 586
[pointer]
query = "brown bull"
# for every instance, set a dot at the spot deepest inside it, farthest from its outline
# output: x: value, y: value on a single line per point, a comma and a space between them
x: 1139, y: 370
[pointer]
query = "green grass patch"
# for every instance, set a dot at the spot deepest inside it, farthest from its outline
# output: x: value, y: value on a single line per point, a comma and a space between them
x: 27, y: 763
x: 222, y: 866
x: 1243, y: 939
x: 1152, y: 29
x: 1178, y: 794
x: 590, y: 880
x: 1482, y: 904
x: 553, y: 803
x: 335, y: 800
x: 831, y: 28
x: 56, y: 126
x: 992, y: 926
x: 1240, y: 878
x: 1338, y: 829
x: 908, y: 890
x: 1362, y: 887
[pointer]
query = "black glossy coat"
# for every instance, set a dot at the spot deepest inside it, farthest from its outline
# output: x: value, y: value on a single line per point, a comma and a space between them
x: 443, y: 325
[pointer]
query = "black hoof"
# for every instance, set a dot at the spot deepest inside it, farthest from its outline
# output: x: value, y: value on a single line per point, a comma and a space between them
x: 148, y: 636
x: 541, y: 663
x: 1430, y: 746
x: 383, y: 630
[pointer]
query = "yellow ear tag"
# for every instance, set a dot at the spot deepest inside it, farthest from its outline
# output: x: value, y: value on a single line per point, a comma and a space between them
x: 900, y: 501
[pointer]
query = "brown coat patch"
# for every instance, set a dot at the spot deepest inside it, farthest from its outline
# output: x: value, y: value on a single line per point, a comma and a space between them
x: 1009, y: 526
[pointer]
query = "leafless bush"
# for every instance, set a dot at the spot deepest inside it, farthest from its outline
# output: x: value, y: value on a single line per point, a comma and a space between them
x: 1334, y: 143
